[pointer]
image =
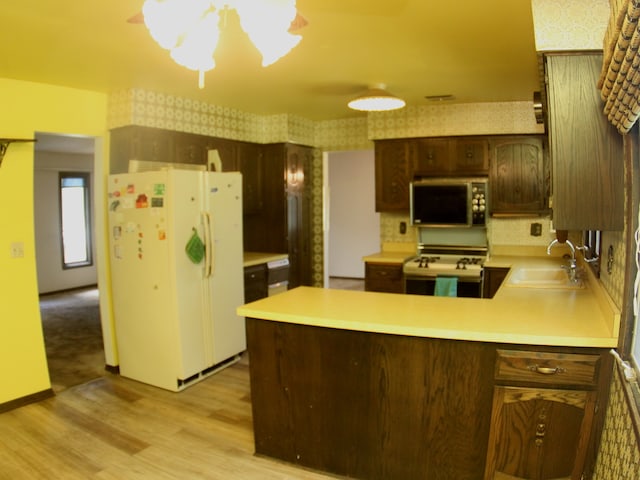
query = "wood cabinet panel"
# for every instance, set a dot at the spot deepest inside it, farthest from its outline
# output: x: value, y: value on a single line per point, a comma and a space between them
x: 228, y: 152
x: 189, y: 148
x: 250, y: 162
x: 492, y: 278
x: 284, y: 226
x: 139, y: 143
x: 586, y: 150
x: 471, y: 156
x: 377, y: 406
x: 535, y: 432
x: 398, y: 161
x: 370, y: 405
x: 153, y: 144
x: 255, y: 282
x: 543, y: 414
x: 383, y: 277
x: 431, y: 156
x: 519, y: 176
x: 547, y: 368
x: 393, y: 174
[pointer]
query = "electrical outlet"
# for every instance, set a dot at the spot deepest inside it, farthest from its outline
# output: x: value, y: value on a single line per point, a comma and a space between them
x: 17, y: 249
x: 536, y: 229
x: 403, y: 227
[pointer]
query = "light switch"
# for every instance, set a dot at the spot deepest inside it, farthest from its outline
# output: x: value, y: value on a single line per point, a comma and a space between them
x: 17, y: 249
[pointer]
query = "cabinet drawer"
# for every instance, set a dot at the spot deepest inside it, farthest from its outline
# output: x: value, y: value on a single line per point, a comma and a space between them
x: 547, y: 368
x: 383, y: 278
x: 385, y: 272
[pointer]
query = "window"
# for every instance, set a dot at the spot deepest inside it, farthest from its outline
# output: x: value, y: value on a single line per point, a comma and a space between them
x: 75, y: 219
x: 593, y: 253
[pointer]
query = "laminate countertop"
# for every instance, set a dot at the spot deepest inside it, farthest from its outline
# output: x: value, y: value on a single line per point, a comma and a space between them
x: 584, y: 317
x: 256, y: 258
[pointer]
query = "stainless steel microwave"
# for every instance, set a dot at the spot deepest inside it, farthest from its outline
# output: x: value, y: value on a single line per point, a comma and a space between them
x: 449, y: 202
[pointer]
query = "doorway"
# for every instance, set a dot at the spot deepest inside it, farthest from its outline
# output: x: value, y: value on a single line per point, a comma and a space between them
x: 352, y: 226
x: 69, y: 299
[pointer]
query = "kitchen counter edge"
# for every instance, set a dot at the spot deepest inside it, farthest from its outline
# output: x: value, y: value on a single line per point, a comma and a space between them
x: 579, y: 318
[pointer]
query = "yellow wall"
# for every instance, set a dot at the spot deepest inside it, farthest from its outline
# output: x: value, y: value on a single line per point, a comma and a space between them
x: 27, y: 108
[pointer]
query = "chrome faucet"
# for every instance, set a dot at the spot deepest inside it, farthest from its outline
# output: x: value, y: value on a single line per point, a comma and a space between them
x: 572, y: 269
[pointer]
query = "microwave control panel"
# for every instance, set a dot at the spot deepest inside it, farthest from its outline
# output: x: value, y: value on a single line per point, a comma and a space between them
x: 478, y: 203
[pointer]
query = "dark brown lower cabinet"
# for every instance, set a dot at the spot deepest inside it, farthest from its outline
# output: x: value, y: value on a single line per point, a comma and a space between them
x: 376, y: 406
x: 383, y: 277
x: 536, y: 433
x: 255, y: 282
x: 492, y: 278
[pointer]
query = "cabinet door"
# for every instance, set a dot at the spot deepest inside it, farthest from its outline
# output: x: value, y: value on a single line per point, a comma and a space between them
x: 190, y: 148
x: 139, y: 143
x: 383, y: 278
x: 432, y: 156
x: 492, y: 278
x: 250, y: 164
x: 298, y: 198
x: 538, y: 434
x: 394, y: 172
x: 586, y: 150
x: 255, y: 282
x: 471, y: 157
x: 228, y: 152
x: 518, y: 176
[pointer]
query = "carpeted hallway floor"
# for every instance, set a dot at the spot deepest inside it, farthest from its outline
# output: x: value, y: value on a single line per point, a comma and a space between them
x: 73, y: 337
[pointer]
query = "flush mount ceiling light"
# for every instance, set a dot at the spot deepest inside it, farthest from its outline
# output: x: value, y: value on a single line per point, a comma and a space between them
x: 376, y: 99
x: 190, y: 29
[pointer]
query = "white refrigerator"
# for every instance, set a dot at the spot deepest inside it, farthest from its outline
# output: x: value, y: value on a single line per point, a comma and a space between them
x: 177, y: 276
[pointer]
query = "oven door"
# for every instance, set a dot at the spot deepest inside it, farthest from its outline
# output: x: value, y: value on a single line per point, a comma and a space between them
x: 425, y: 285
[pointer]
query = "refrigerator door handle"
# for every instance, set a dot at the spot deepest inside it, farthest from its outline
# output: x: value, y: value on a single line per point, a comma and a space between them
x: 208, y: 245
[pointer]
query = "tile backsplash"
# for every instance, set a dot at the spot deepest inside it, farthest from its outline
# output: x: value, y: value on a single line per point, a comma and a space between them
x: 507, y: 231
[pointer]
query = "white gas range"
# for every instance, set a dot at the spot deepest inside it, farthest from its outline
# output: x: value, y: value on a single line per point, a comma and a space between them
x: 450, y: 258
x: 443, y: 260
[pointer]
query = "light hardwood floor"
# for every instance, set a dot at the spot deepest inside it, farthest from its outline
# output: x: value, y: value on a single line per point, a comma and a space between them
x: 113, y: 428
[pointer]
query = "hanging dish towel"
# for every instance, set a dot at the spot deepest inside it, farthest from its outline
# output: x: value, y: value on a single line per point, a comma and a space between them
x: 446, y: 287
x: 195, y: 248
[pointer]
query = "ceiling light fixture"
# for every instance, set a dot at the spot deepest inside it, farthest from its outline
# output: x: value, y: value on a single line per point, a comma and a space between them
x: 190, y: 30
x: 376, y: 99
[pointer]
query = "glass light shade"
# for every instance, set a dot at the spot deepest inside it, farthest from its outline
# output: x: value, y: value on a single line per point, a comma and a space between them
x: 196, y: 48
x: 376, y: 100
x: 168, y: 20
x: 189, y: 29
x: 267, y: 22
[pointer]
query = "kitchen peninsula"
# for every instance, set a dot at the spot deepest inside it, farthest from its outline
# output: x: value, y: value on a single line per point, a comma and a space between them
x: 382, y: 386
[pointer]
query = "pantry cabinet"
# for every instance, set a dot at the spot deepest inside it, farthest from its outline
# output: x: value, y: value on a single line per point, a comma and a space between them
x: 519, y: 176
x: 586, y: 150
x: 285, y: 224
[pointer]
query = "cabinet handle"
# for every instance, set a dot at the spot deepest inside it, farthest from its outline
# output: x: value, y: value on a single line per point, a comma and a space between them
x: 541, y: 430
x: 546, y: 370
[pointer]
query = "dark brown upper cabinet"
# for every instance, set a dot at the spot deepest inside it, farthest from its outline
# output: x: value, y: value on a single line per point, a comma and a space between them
x: 519, y: 177
x: 586, y: 150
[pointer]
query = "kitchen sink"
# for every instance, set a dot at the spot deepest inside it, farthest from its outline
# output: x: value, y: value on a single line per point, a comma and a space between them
x: 543, y: 277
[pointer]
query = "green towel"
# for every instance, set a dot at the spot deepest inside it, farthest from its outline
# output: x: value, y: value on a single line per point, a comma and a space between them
x: 446, y: 287
x: 195, y: 248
